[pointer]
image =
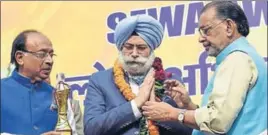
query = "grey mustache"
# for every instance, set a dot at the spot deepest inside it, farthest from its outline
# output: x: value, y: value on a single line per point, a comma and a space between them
x: 134, y: 62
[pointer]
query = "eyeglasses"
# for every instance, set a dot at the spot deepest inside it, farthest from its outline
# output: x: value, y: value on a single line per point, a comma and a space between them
x: 204, y: 32
x: 128, y: 47
x: 40, y: 54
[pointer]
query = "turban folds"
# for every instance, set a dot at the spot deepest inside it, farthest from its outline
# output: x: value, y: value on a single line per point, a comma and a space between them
x: 148, y: 28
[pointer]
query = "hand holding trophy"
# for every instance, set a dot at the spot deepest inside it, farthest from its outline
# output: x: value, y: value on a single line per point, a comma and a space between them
x: 61, y: 97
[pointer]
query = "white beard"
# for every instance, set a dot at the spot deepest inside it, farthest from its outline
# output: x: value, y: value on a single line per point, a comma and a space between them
x: 138, y: 66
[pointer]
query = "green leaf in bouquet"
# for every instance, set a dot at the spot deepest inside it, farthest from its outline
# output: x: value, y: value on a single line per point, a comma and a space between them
x: 143, y: 127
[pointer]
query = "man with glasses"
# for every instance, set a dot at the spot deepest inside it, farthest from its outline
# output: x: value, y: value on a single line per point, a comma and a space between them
x: 235, y: 100
x: 25, y: 96
x: 110, y: 105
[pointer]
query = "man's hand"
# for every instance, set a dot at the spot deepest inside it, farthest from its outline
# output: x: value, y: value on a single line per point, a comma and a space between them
x: 145, y: 89
x: 153, y: 97
x: 159, y: 111
x: 179, y: 94
x: 52, y: 133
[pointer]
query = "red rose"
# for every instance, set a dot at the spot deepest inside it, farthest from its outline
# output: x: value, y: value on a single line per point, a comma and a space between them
x: 157, y: 66
x: 157, y: 59
x: 160, y: 75
x: 161, y: 71
x: 168, y: 75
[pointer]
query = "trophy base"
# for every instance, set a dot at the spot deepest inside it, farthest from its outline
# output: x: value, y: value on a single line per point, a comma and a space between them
x: 64, y: 132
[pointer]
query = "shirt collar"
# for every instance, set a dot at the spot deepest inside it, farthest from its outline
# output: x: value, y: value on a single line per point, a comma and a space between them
x: 221, y: 56
x: 135, y: 79
x: 24, y: 80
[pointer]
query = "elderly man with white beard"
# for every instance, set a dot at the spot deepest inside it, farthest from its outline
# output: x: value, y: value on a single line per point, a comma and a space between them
x: 115, y: 96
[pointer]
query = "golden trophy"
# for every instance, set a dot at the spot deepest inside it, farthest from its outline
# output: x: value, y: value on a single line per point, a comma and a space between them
x: 61, y: 97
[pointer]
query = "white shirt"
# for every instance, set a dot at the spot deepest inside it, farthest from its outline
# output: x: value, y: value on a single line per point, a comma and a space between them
x: 135, y: 89
x: 235, y: 76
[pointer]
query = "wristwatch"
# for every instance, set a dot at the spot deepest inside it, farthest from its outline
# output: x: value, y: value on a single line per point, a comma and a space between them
x: 181, y: 115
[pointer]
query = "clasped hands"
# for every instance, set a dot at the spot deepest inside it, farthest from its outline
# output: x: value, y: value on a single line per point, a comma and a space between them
x: 153, y: 108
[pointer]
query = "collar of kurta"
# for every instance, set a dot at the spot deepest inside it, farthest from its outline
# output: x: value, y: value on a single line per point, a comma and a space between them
x: 25, y: 81
x: 231, y: 47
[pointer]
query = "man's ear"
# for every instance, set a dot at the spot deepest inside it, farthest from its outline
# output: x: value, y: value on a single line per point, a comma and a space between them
x: 18, y: 57
x: 231, y: 27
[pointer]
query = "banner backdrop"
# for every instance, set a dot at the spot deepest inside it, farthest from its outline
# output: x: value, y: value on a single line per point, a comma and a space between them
x: 82, y: 36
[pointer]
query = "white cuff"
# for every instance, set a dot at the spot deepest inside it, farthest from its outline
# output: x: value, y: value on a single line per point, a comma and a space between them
x: 135, y: 109
x: 201, y: 116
